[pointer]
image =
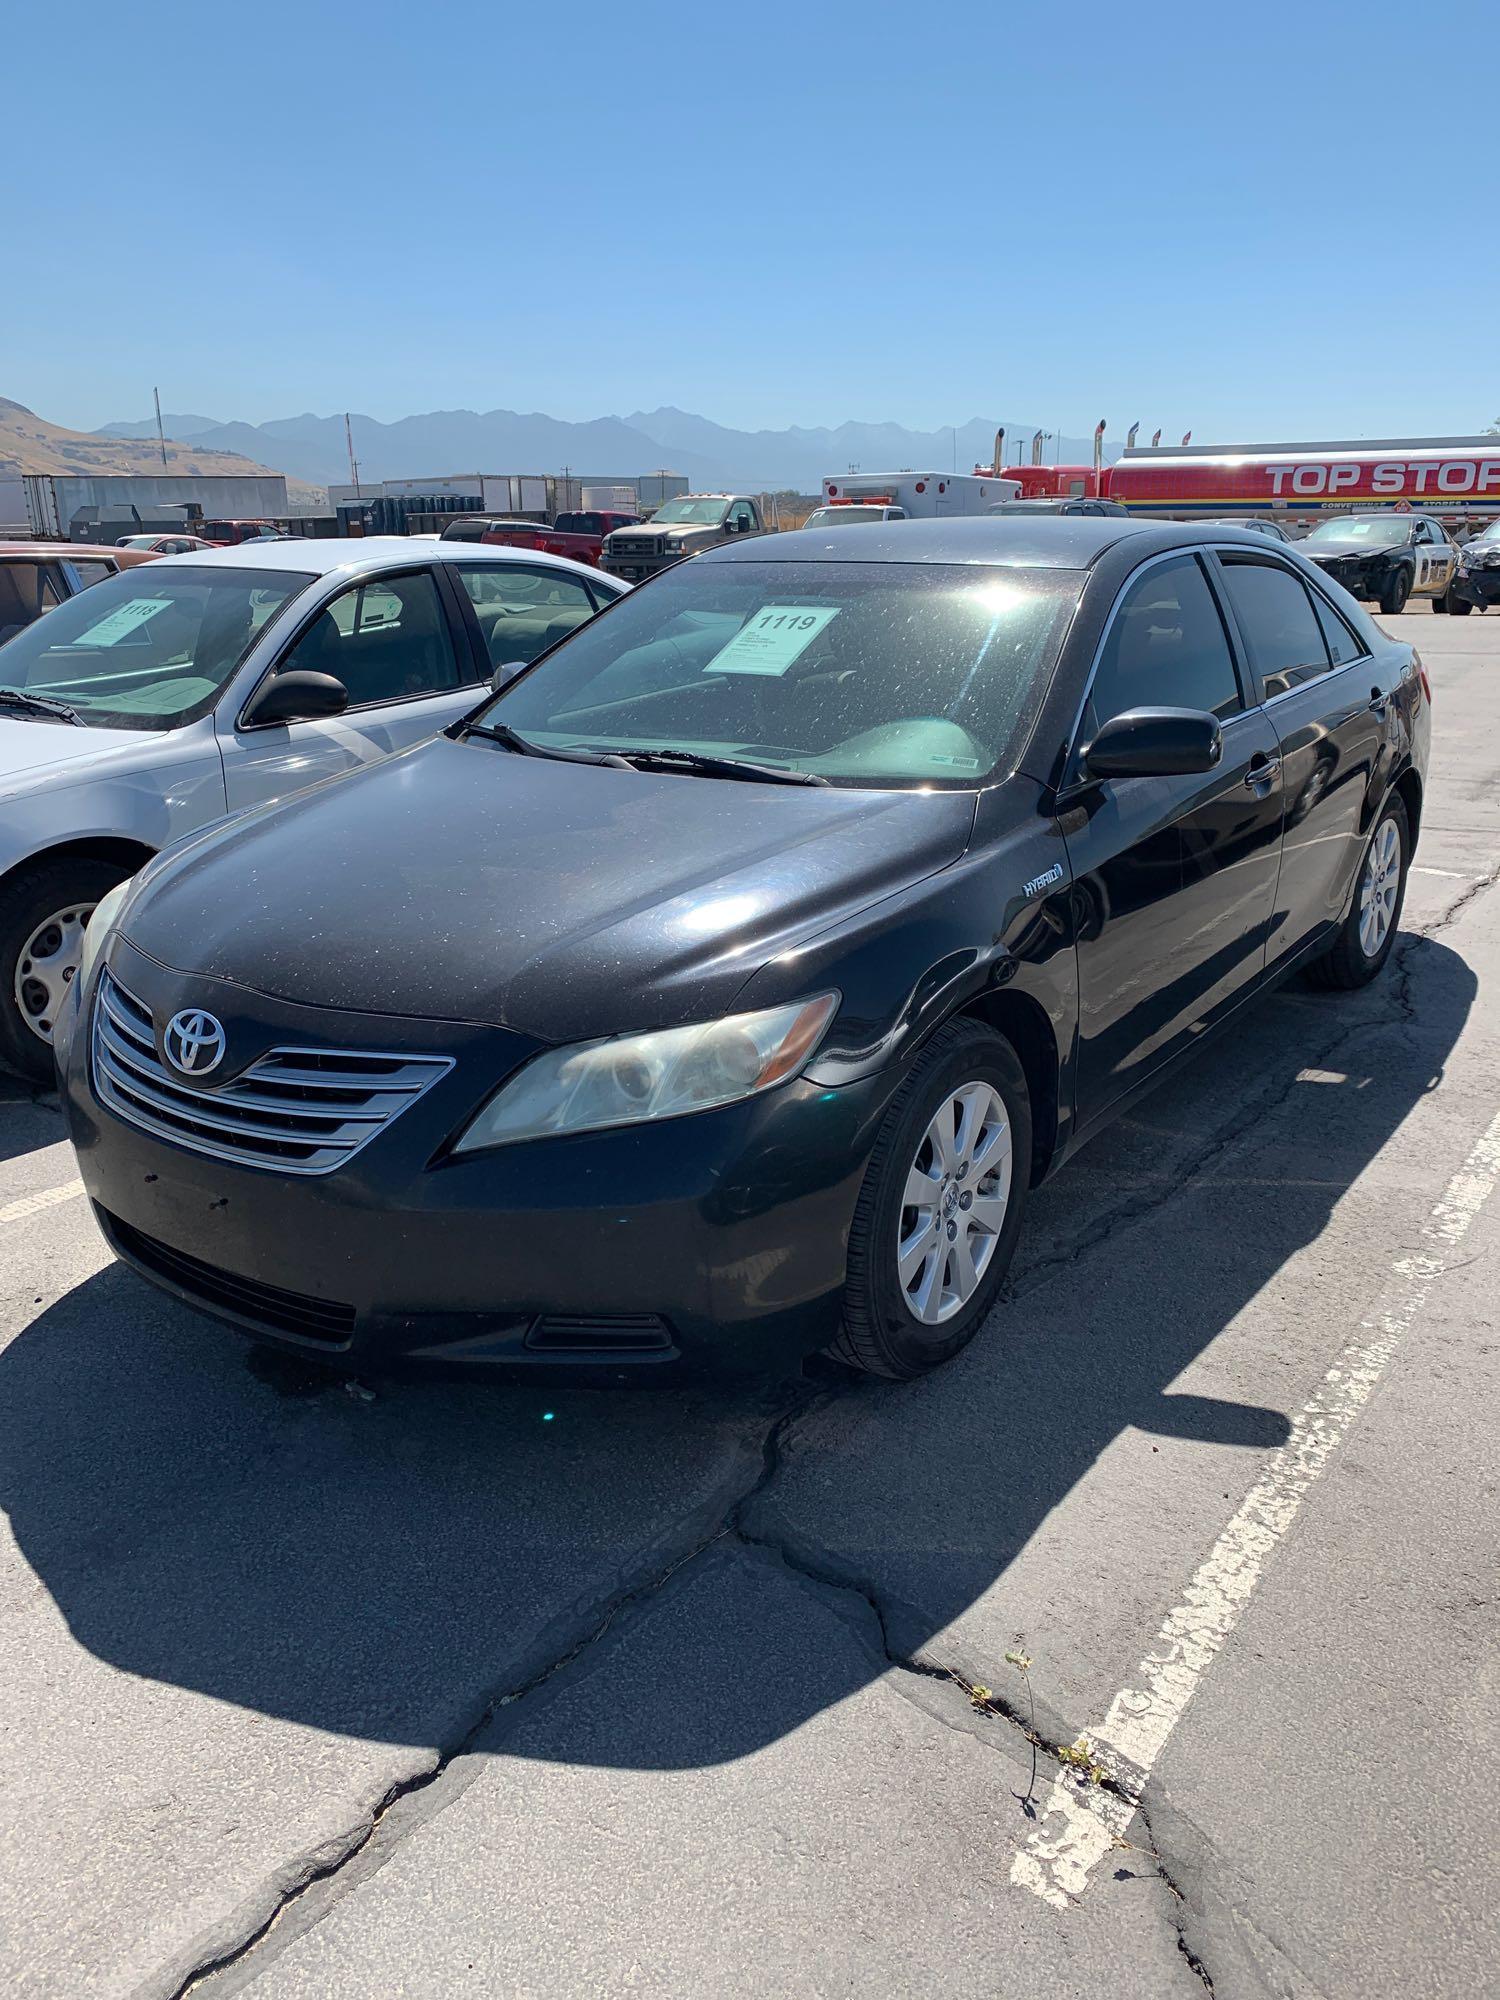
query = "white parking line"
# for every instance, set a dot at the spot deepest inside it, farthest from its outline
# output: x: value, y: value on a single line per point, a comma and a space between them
x: 33, y: 1204
x: 1453, y: 874
x: 1081, y: 1823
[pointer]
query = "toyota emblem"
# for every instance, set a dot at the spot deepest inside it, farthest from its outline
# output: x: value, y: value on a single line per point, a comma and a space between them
x: 194, y: 1042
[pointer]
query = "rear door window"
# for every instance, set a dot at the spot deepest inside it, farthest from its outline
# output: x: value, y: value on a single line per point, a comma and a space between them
x: 1277, y: 618
x: 27, y: 589
x: 1343, y: 643
x: 522, y: 611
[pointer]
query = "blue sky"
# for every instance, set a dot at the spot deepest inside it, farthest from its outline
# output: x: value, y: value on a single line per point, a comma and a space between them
x: 1252, y: 221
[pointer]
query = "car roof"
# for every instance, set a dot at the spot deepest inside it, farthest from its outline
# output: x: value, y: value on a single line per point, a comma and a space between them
x: 355, y: 553
x: 1031, y: 541
x: 73, y: 552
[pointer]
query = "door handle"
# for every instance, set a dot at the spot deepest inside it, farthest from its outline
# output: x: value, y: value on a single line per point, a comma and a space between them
x: 1379, y: 703
x: 1261, y: 772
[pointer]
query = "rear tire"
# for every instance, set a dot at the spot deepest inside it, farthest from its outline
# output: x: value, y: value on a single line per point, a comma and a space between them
x: 1393, y: 597
x: 1459, y: 606
x: 1439, y: 603
x: 1361, y: 949
x: 923, y: 1272
x: 36, y: 967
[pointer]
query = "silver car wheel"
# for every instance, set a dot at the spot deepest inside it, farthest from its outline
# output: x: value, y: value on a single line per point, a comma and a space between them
x: 954, y: 1204
x: 48, y: 965
x: 1378, y: 887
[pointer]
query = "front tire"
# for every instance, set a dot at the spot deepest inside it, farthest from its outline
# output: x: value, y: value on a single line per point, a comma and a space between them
x: 42, y: 915
x: 937, y: 1219
x: 1393, y: 597
x: 1460, y: 607
x: 1369, y: 931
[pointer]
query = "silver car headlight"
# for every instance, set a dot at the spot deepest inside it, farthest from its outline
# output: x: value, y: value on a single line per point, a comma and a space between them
x: 98, y: 928
x: 630, y: 1079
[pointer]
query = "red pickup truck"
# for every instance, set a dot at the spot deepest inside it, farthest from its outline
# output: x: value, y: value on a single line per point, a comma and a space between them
x: 579, y: 535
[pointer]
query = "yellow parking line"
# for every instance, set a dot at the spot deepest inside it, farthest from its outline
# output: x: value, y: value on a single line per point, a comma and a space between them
x: 33, y: 1204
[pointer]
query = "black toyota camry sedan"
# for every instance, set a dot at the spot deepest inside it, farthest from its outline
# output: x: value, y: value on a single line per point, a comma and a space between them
x: 716, y: 992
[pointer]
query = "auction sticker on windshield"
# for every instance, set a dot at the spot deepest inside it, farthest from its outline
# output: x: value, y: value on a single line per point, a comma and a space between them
x: 121, y: 623
x: 769, y: 642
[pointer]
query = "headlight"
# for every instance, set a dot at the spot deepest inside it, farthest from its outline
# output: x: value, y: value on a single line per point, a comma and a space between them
x: 629, y: 1079
x: 98, y: 927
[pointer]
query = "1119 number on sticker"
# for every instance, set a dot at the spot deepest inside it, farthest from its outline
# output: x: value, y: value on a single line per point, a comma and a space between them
x: 772, y: 639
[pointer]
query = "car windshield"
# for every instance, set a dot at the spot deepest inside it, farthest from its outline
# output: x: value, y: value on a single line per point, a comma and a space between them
x: 138, y: 542
x: 1491, y: 533
x: 876, y: 675
x: 149, y: 648
x: 831, y: 517
x: 1377, y: 534
x: 698, y: 513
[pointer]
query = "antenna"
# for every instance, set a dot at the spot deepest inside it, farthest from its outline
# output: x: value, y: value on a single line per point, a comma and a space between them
x: 160, y: 434
x: 353, y: 461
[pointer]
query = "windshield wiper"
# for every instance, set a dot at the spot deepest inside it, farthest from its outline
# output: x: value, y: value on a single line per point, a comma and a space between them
x: 510, y: 739
x: 38, y: 704
x: 698, y: 764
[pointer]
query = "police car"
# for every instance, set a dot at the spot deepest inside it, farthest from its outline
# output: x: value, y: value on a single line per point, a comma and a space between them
x: 1387, y: 558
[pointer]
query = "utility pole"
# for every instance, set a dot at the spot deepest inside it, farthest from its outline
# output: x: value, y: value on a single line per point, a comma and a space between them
x: 160, y: 434
x: 353, y: 461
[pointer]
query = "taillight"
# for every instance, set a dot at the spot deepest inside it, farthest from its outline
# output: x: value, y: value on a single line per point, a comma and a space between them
x: 1426, y: 684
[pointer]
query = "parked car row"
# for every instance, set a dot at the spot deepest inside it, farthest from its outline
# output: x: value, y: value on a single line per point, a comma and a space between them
x: 716, y: 989
x: 160, y: 700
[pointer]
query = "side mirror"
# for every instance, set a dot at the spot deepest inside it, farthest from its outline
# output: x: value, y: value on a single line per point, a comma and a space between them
x: 503, y: 676
x: 297, y: 696
x: 1155, y: 743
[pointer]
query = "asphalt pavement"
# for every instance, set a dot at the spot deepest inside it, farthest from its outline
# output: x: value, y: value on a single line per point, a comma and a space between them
x: 1149, y: 1648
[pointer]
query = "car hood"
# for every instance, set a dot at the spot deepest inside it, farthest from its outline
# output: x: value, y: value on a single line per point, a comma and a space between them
x: 672, y: 530
x: 460, y: 881
x: 34, y: 752
x: 1362, y: 551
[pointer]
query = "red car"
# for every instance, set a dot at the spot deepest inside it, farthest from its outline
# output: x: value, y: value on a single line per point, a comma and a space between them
x: 579, y: 534
x: 229, y: 534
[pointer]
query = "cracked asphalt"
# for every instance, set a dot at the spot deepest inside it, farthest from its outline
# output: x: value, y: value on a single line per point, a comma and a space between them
x: 474, y: 1692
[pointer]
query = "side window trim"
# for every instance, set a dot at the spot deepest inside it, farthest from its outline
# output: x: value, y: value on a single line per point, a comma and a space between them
x: 1244, y: 680
x: 468, y: 639
x: 315, y: 612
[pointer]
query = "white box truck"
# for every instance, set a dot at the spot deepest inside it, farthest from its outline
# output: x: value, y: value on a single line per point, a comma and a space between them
x: 922, y: 496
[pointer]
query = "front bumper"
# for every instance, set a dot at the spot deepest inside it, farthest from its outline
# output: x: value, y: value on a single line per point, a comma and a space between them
x: 711, y: 1244
x: 1362, y: 580
x: 1479, y: 586
x: 636, y: 568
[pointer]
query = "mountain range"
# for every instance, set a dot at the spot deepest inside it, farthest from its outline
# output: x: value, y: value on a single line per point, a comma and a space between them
x: 711, y: 455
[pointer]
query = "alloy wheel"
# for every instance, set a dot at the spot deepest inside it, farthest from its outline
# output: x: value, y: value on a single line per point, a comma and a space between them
x: 1378, y: 887
x: 954, y: 1203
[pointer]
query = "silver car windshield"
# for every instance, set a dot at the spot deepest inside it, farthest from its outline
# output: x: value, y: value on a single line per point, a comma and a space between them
x: 871, y: 674
x: 150, y: 648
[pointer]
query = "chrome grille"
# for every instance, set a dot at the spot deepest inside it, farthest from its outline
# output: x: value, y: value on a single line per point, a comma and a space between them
x: 295, y: 1111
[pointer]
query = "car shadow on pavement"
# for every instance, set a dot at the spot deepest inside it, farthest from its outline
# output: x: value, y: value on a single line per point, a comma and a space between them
x: 387, y: 1569
x: 29, y: 1118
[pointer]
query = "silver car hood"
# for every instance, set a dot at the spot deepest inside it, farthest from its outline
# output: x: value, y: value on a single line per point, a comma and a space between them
x: 34, y: 752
